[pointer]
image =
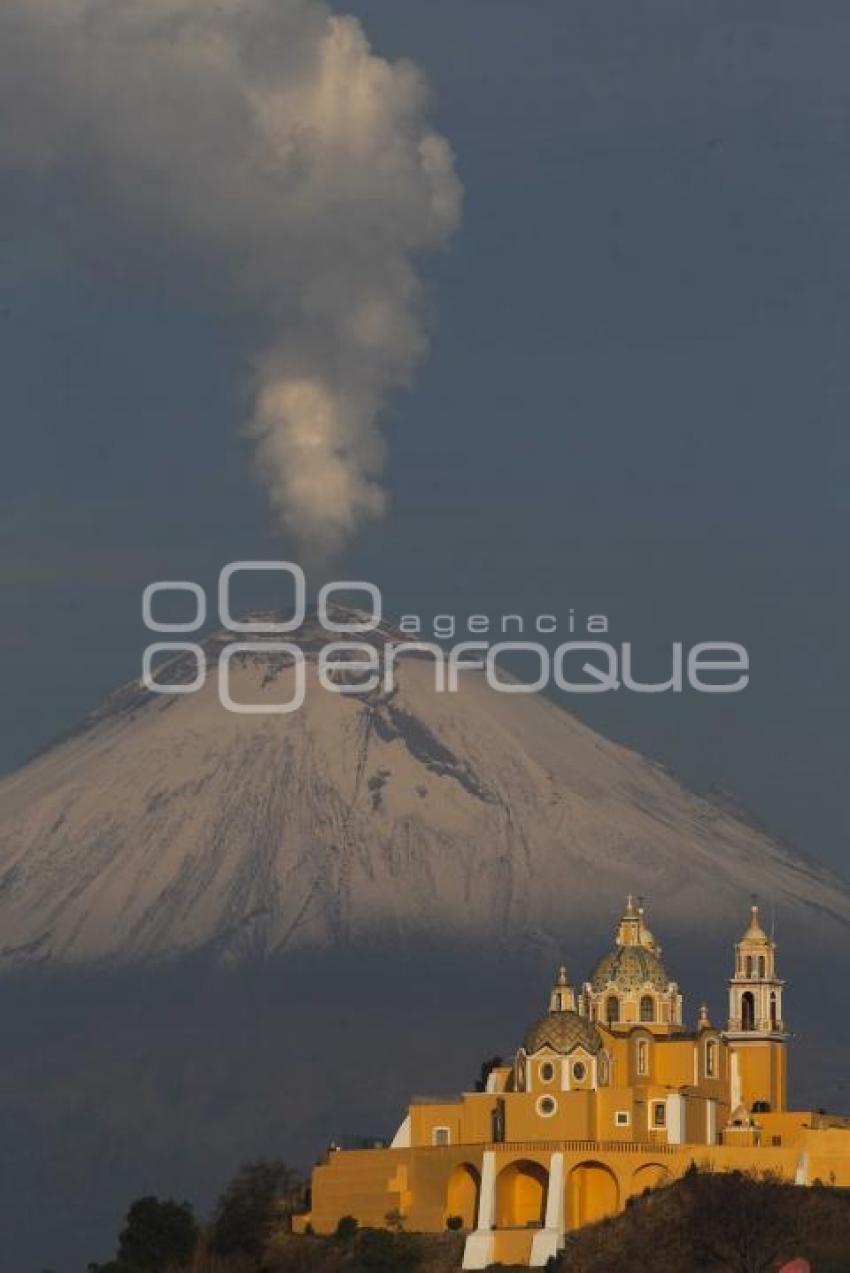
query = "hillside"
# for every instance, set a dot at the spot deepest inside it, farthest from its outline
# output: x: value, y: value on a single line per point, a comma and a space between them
x: 703, y: 1223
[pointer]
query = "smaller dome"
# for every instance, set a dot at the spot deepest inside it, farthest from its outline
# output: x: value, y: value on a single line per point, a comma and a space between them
x: 563, y: 1031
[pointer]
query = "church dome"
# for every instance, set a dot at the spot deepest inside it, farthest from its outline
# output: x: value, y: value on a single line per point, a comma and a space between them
x: 630, y: 968
x: 563, y: 1031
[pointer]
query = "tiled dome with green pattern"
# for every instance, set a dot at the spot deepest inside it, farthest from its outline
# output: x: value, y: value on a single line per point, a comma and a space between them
x: 563, y: 1031
x: 630, y: 968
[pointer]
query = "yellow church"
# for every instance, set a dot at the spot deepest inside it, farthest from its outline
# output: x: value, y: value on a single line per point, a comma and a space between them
x: 608, y: 1093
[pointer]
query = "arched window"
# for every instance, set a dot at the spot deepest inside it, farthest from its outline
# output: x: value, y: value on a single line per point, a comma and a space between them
x: 711, y: 1058
x: 612, y: 1009
x: 647, y: 1008
x: 773, y: 1017
x: 749, y: 966
x: 748, y: 1011
x: 642, y: 1056
x: 762, y: 966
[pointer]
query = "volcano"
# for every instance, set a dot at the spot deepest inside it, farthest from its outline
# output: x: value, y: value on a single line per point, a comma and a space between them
x: 168, y: 825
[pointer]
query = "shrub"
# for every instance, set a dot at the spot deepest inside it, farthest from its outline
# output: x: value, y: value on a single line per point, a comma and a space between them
x: 346, y: 1228
x: 379, y: 1251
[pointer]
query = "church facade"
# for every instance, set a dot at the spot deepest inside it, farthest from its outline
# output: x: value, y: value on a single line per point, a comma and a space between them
x: 608, y: 1094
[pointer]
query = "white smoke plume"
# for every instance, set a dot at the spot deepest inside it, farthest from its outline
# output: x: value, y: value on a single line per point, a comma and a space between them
x: 263, y: 141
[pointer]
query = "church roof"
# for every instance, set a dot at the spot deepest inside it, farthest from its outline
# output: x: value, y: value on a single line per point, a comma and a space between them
x: 635, y: 961
x: 563, y: 1031
x: 630, y: 968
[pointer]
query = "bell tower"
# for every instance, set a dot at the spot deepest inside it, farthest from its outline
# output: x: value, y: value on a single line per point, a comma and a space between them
x: 756, y: 1031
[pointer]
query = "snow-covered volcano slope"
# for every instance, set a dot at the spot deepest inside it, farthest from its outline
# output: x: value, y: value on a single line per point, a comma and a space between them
x: 167, y: 824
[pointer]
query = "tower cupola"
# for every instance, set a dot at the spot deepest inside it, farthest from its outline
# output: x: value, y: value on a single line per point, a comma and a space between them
x: 755, y: 991
x: 563, y: 996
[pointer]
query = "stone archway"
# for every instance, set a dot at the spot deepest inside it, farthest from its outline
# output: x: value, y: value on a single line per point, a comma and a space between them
x: 649, y: 1176
x: 592, y: 1194
x: 521, y: 1190
x: 462, y: 1194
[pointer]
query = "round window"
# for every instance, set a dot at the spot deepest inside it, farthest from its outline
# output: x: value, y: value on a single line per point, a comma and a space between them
x: 579, y: 1071
x: 546, y: 1106
x: 547, y: 1071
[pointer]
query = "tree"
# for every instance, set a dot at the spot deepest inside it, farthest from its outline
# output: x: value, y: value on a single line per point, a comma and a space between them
x: 157, y: 1235
x: 487, y: 1067
x: 260, y: 1194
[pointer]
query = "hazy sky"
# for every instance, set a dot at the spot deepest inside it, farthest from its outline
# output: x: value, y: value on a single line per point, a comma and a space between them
x: 636, y: 399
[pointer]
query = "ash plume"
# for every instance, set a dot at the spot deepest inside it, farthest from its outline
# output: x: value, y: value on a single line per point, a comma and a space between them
x: 263, y: 141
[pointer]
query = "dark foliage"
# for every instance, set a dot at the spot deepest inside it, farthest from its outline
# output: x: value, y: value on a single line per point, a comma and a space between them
x: 366, y: 1251
x: 261, y: 1195
x: 346, y: 1229
x: 724, y: 1222
x: 379, y: 1251
x: 157, y: 1236
x: 487, y: 1067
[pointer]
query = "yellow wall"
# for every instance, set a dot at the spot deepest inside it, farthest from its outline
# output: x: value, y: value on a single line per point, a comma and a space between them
x: 763, y: 1066
x: 572, y: 1120
x: 424, y: 1185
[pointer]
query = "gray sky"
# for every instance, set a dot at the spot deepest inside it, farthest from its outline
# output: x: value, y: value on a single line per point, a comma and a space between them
x: 635, y: 402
